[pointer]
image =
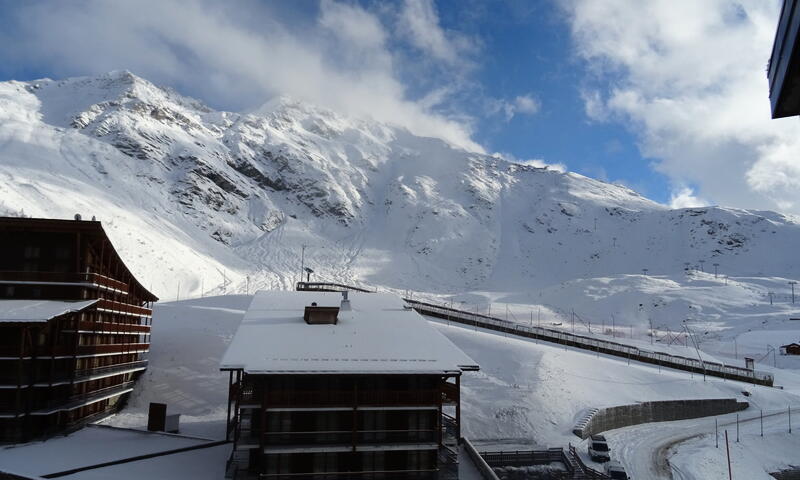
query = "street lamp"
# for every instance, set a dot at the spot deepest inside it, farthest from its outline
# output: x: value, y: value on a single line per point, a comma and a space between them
x: 308, y: 274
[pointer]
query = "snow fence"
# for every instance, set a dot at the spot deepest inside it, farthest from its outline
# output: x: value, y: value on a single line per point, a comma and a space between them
x: 597, y: 420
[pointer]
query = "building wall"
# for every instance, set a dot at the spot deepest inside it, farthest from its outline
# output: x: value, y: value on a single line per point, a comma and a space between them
x: 397, y: 417
x: 48, y: 364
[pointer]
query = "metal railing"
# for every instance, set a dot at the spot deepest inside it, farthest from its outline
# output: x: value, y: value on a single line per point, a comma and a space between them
x: 677, y: 362
x: 593, y: 344
x: 333, y: 398
x: 588, y: 472
x: 328, y: 287
x: 349, y: 437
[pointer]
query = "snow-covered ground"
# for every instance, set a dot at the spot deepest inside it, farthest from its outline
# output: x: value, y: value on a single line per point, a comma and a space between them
x: 526, y: 395
x: 90, y: 446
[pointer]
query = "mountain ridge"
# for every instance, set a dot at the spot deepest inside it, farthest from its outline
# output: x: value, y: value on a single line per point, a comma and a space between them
x: 216, y: 197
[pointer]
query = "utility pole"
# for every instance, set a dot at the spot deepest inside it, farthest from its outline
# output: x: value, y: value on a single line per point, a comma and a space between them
x: 652, y: 333
x: 715, y: 269
x: 792, y: 283
x: 302, y: 260
x: 737, y: 428
x: 696, y: 349
x: 728, y: 452
x: 771, y: 294
x: 716, y: 433
x: 573, y: 321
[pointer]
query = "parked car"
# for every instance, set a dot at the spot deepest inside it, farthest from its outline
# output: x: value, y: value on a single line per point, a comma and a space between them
x: 598, y: 449
x: 615, y: 470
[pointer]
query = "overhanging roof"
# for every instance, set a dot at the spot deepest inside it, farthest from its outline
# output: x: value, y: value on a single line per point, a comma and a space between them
x: 85, y: 227
x: 377, y: 336
x: 37, y: 311
x: 784, y: 64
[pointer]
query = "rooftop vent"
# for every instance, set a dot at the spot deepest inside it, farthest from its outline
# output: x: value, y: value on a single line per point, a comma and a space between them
x: 345, y: 302
x: 315, y: 315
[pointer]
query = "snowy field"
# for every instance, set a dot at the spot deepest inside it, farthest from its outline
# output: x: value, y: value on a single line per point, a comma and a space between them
x: 526, y: 395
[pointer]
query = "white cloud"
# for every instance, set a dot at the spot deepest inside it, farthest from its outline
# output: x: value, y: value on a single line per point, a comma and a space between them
x: 522, y: 104
x: 235, y: 55
x: 419, y: 22
x: 685, y: 198
x: 689, y: 79
x: 526, y: 104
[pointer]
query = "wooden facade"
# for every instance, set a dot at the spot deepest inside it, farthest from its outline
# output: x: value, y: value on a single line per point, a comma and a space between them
x: 339, y: 426
x: 790, y: 349
x: 60, y: 373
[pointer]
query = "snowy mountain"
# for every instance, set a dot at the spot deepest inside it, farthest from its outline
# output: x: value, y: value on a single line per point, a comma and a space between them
x: 198, y: 199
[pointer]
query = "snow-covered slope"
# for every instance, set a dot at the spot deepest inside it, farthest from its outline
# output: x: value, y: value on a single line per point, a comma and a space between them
x: 200, y: 199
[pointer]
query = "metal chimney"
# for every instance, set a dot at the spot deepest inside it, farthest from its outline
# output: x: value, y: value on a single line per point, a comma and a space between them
x: 345, y: 301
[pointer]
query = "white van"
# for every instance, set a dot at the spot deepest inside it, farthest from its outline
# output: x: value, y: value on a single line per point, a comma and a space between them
x: 598, y: 449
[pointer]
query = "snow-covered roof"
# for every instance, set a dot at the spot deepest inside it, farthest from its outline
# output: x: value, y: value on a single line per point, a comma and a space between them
x: 23, y: 311
x: 377, y: 335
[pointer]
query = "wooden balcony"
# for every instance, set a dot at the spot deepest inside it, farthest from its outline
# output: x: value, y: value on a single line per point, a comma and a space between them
x: 13, y: 353
x: 342, y: 398
x: 94, y: 280
x: 348, y: 437
x: 112, y: 327
x: 122, y: 308
x: 117, y: 348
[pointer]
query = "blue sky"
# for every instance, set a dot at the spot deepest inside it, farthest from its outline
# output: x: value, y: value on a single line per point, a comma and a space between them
x: 665, y: 96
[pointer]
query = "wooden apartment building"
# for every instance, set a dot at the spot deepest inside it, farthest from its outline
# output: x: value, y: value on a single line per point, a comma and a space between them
x: 74, y: 326
x: 323, y: 386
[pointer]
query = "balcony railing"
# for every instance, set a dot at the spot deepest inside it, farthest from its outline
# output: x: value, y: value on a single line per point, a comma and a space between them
x: 419, y: 474
x: 112, y: 348
x: 124, y: 308
x: 73, y: 401
x: 83, y: 375
x: 333, y: 398
x: 348, y: 437
x: 115, y: 327
x: 58, y: 278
